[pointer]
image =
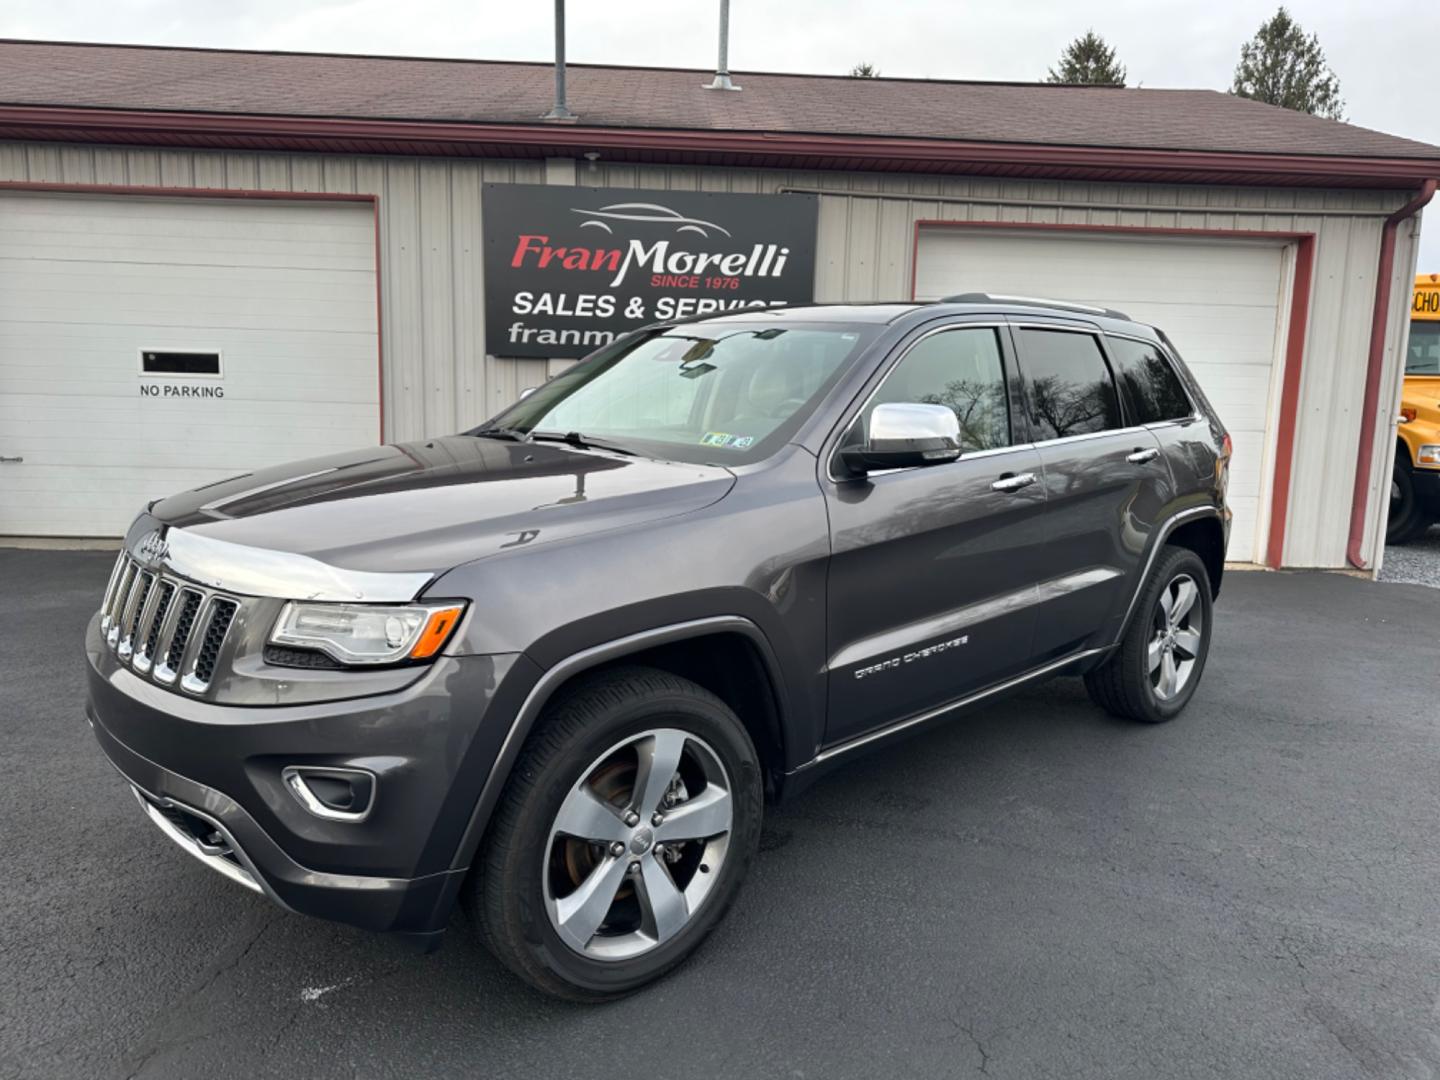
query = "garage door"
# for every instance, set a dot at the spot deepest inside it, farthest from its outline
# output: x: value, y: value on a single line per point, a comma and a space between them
x: 1219, y: 301
x: 152, y: 345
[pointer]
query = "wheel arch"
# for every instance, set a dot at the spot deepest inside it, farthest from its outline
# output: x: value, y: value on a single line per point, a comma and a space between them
x: 745, y: 675
x: 1198, y: 529
x: 1402, y: 453
x: 1205, y: 536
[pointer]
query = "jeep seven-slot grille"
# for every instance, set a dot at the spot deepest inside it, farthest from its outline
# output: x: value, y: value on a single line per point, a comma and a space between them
x: 222, y: 612
x: 189, y: 608
x: 162, y: 608
x: 167, y: 629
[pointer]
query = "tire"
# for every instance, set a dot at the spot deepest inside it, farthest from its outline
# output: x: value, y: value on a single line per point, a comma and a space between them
x: 584, y: 768
x: 1132, y: 682
x: 1407, y: 520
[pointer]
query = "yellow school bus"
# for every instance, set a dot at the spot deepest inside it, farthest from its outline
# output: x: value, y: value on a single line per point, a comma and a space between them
x: 1415, y: 486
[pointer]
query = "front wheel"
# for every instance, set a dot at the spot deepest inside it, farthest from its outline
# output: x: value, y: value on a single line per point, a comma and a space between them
x: 1407, y: 518
x: 623, y: 835
x: 1153, y: 673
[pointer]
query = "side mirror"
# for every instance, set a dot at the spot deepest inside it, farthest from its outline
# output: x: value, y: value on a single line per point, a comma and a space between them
x: 904, y: 435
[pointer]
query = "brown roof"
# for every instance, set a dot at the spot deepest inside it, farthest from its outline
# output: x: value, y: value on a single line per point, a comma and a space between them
x: 141, y: 79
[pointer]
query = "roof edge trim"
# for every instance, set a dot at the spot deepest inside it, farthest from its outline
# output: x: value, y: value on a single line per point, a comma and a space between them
x: 53, y: 123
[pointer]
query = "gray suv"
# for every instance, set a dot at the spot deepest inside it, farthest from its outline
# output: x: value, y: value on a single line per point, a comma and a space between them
x: 554, y: 668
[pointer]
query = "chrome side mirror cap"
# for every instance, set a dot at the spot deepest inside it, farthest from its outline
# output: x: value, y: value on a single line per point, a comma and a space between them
x: 905, y: 435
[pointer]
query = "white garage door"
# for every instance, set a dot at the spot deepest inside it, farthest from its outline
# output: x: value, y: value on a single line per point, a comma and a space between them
x: 102, y: 300
x: 1219, y: 301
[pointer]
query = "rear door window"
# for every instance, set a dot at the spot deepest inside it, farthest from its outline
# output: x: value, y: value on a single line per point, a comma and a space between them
x: 1153, y: 392
x: 1068, y: 387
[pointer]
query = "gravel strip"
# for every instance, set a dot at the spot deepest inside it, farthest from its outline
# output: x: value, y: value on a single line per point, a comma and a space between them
x: 1415, y: 563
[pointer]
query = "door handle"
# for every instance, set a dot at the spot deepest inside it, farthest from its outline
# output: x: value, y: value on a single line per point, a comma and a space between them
x: 16, y: 460
x: 1013, y: 483
x: 1140, y: 457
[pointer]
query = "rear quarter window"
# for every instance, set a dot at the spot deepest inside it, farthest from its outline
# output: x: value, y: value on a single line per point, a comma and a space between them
x: 1153, y: 392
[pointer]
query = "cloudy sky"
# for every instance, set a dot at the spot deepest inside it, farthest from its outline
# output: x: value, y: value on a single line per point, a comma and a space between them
x: 1384, y: 51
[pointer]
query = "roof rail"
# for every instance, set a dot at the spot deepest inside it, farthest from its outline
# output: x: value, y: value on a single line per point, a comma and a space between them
x: 1033, y: 301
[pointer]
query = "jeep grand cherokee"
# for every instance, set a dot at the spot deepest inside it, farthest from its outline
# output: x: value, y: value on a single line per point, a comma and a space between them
x: 553, y: 668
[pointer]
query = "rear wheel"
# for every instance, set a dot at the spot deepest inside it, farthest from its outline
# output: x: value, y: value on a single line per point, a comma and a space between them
x: 1407, y: 518
x: 623, y: 835
x: 1153, y: 674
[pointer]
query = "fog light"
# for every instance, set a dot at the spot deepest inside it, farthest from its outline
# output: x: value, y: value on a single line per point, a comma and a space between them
x: 332, y: 794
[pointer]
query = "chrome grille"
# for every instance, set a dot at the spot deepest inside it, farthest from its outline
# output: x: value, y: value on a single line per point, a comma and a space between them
x: 155, y: 619
x: 217, y: 624
x: 161, y: 625
x: 134, y: 608
x: 169, y: 665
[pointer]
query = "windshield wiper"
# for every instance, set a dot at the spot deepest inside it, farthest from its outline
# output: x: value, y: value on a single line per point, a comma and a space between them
x: 583, y: 442
x: 509, y: 434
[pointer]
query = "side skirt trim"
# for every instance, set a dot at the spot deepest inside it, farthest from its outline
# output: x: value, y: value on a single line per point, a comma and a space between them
x: 902, y: 725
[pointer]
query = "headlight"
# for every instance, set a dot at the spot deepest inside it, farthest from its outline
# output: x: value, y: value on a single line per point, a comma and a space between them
x: 367, y: 634
x: 1428, y: 455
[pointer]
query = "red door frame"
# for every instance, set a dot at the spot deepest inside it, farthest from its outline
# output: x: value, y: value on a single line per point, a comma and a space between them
x: 1294, y: 358
x: 234, y: 193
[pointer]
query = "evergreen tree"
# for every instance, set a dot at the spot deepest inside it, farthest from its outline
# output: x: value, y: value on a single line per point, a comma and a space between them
x: 865, y: 70
x: 1281, y: 66
x: 1089, y: 61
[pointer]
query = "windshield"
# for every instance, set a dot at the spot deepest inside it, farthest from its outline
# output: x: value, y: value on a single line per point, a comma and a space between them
x: 1423, y: 357
x: 722, y: 393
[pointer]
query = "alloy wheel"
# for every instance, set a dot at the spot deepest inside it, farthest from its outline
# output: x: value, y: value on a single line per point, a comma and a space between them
x: 1178, y: 627
x: 637, y: 845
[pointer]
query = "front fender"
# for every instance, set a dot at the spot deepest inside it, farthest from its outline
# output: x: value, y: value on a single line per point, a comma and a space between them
x: 753, y: 564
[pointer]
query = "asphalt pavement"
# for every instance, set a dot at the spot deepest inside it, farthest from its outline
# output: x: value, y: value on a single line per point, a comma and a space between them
x: 1035, y: 890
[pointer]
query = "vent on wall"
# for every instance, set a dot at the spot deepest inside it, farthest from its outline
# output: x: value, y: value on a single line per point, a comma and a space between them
x: 179, y: 363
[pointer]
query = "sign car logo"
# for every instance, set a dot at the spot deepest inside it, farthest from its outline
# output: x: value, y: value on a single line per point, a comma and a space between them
x: 562, y: 279
x: 647, y: 212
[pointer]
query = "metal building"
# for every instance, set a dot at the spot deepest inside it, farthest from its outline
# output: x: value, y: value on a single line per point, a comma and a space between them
x: 212, y: 261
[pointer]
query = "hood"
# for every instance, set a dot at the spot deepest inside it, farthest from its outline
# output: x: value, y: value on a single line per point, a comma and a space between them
x: 1422, y: 391
x: 429, y: 506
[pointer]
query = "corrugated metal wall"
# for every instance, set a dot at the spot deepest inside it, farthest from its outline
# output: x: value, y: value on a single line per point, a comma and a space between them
x: 437, y: 378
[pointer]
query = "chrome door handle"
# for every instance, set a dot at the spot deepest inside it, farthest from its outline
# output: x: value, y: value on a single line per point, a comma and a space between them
x: 1013, y: 483
x: 16, y: 459
x: 1140, y: 457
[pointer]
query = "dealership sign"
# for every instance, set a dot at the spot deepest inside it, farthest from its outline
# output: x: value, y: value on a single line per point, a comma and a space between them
x: 569, y: 269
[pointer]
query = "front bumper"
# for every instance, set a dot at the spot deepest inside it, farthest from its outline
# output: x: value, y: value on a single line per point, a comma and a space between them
x: 201, y: 836
x: 210, y: 777
x: 1427, y: 489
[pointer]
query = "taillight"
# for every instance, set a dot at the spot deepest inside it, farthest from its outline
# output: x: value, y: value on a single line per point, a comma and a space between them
x: 1226, y: 448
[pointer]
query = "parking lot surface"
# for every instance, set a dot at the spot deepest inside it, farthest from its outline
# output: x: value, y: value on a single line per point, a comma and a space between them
x: 1033, y: 891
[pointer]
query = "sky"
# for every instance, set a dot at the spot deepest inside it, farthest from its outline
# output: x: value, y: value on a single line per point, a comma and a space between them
x: 1383, y: 51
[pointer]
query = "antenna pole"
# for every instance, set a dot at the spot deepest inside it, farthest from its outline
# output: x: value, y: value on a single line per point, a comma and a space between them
x: 722, y: 70
x: 559, y: 111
